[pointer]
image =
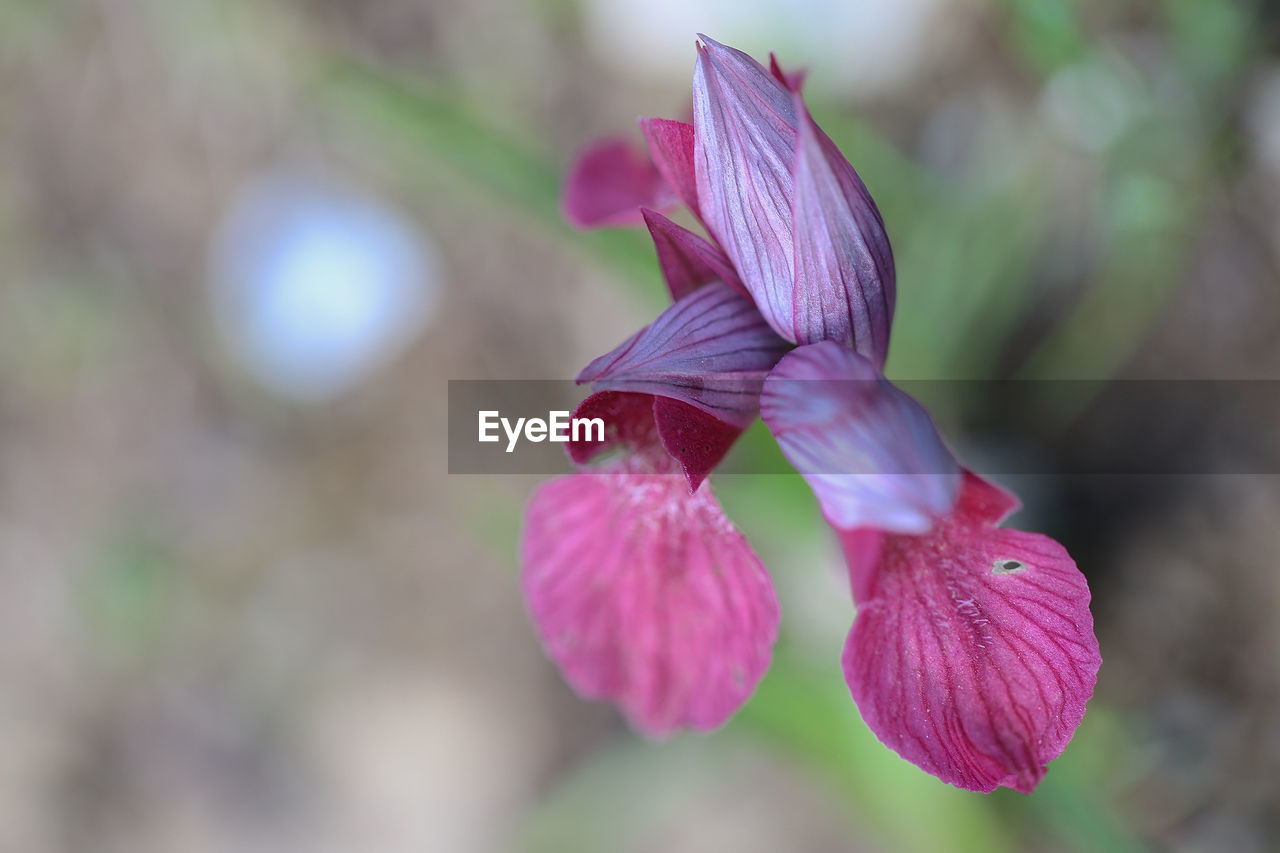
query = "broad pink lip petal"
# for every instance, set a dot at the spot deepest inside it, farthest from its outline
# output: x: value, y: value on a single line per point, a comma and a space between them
x: 972, y: 654
x: 745, y: 137
x: 646, y: 596
x: 869, y: 451
x: 687, y: 260
x: 710, y: 349
x: 671, y: 146
x: 609, y: 182
x: 844, y: 274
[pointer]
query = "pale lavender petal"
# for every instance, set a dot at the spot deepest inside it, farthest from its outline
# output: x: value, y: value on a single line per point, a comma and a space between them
x: 973, y: 653
x: 671, y: 146
x: 844, y: 275
x: 609, y: 182
x: 710, y: 349
x: 687, y: 260
x: 745, y: 139
x: 648, y: 597
x: 868, y: 450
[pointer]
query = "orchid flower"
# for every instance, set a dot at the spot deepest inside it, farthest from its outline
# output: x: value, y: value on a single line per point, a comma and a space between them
x: 972, y: 651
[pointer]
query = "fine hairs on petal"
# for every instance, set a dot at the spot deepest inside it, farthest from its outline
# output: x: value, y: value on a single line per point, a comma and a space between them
x: 646, y: 596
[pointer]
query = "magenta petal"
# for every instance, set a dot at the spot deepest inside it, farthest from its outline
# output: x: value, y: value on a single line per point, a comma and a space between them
x: 973, y: 653
x: 671, y: 146
x: 710, y: 349
x: 609, y: 182
x: 628, y: 423
x: 658, y: 432
x: 646, y: 596
x: 687, y: 260
x: 844, y: 275
x: 868, y: 450
x: 695, y: 439
x: 745, y: 137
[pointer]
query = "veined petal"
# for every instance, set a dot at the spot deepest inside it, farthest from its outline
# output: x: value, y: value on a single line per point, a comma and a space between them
x: 671, y: 146
x: 973, y: 653
x: 609, y: 182
x: 786, y: 206
x: 744, y: 141
x: 647, y: 596
x: 687, y: 260
x: 844, y: 275
x: 710, y: 349
x: 868, y: 450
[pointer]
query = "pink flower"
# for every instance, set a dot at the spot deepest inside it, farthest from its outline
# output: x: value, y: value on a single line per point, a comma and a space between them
x: 972, y: 652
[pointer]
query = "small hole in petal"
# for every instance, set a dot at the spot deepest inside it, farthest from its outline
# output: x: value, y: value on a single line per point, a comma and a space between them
x: 1007, y: 567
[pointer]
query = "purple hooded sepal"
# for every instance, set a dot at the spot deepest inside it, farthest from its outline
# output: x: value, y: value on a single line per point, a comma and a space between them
x: 787, y: 208
x: 710, y: 349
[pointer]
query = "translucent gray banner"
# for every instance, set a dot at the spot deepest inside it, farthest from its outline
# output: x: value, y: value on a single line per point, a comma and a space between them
x: 1014, y: 427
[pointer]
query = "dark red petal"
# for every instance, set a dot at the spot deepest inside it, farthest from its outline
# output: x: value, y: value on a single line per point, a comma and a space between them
x: 609, y: 182
x: 628, y: 423
x: 973, y: 653
x: 671, y: 147
x: 645, y: 595
x: 696, y: 440
x: 687, y: 260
